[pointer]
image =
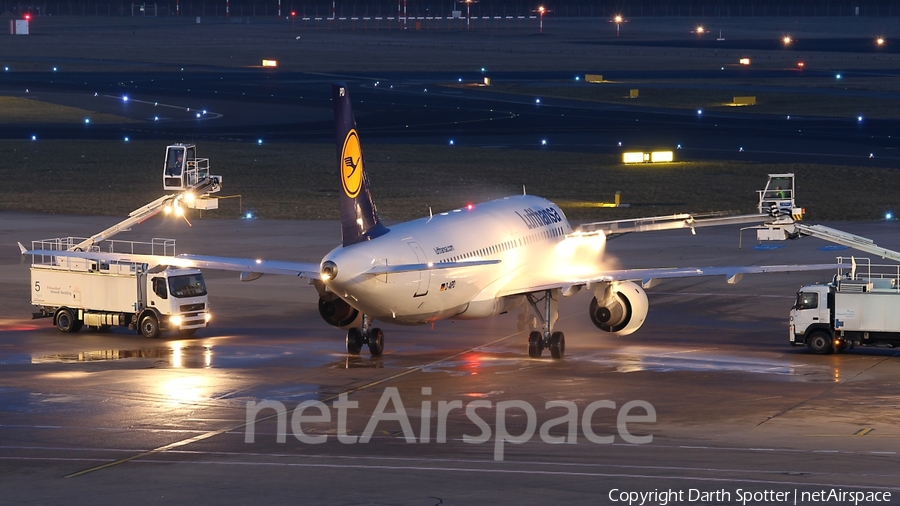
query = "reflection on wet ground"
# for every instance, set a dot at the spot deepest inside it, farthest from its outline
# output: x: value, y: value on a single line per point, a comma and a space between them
x: 174, y: 355
x: 634, y: 359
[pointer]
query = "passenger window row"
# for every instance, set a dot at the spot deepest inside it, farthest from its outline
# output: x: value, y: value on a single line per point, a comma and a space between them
x: 508, y: 245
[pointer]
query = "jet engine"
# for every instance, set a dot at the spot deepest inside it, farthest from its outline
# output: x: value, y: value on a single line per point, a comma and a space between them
x: 335, y: 310
x: 619, y: 308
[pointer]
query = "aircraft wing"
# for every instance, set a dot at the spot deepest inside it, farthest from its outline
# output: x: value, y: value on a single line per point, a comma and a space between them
x: 244, y: 265
x: 649, y: 277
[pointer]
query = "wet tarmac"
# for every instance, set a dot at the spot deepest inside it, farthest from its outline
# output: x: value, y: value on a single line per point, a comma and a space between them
x: 102, y: 418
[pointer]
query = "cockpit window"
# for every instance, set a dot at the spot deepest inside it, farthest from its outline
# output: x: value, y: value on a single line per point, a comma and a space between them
x: 807, y: 300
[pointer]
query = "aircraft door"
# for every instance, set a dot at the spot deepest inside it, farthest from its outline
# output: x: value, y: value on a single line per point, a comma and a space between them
x: 424, y: 276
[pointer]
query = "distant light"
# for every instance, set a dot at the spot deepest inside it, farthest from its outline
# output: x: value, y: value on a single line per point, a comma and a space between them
x: 787, y: 40
x: 699, y: 112
x: 126, y: 139
x: 377, y: 82
x: 678, y: 146
x: 34, y: 137
x: 801, y: 64
x: 451, y: 142
x: 838, y: 76
x: 6, y: 69
x: 889, y: 215
x: 460, y: 79
x: 700, y: 29
x: 470, y: 207
x: 54, y: 69
x: 744, y: 61
x: 879, y: 41
x: 155, y: 104
x: 482, y: 69
x: 125, y: 98
x: 198, y: 114
x: 87, y: 120
x: 426, y: 90
x: 789, y: 116
x: 259, y: 141
x: 859, y: 119
x: 95, y: 93
x: 204, y: 111
x: 577, y: 78
x: 27, y: 17
x: 620, y: 144
x: 741, y: 149
x: 155, y: 118
x: 543, y: 142
x: 248, y: 215
x: 871, y: 155
x: 537, y: 101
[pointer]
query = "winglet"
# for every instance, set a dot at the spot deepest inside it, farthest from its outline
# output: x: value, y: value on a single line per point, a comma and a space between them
x: 359, y: 219
x: 22, y: 249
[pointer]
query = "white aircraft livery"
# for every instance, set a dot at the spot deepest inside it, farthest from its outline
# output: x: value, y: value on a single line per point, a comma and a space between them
x: 517, y: 253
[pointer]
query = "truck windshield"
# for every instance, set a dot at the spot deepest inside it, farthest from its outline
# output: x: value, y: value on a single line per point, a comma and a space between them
x: 805, y: 300
x: 190, y: 285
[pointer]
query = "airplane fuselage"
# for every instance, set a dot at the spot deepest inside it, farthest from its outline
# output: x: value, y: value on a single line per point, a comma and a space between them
x: 523, y: 232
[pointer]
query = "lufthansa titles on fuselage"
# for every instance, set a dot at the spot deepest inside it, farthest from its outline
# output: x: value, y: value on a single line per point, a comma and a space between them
x: 539, y: 218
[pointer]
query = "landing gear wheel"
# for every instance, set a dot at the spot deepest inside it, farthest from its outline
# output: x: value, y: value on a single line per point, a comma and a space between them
x: 376, y: 342
x: 187, y: 332
x: 820, y: 342
x: 557, y: 345
x: 65, y: 321
x: 535, y: 344
x: 354, y: 341
x: 150, y: 327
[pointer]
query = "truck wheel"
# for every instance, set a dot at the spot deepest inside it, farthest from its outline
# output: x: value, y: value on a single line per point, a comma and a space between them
x: 150, y: 327
x: 65, y: 321
x: 820, y: 342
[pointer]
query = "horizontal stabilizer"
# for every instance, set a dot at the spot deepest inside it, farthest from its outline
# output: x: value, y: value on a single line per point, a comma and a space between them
x: 393, y: 269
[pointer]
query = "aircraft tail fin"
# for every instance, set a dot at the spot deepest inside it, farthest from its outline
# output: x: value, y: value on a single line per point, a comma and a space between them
x: 359, y: 218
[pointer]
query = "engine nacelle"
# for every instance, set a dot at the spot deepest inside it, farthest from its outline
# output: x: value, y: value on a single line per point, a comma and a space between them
x: 335, y: 310
x: 619, y: 308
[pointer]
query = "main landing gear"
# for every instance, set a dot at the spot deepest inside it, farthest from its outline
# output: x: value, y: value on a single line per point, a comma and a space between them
x: 538, y: 341
x: 372, y: 337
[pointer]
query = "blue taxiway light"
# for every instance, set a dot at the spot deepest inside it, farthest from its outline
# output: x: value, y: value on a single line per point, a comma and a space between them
x: 34, y: 137
x: 451, y: 142
x: 837, y: 76
x: 155, y: 118
x: 87, y: 120
x: 259, y: 141
x: 543, y: 142
x: 127, y: 139
x: 699, y: 112
x: 889, y: 216
x: 125, y: 98
x: 859, y: 119
x: 537, y: 101
x: 248, y: 216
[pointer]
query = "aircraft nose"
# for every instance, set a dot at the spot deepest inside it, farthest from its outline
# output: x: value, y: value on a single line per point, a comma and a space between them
x: 329, y: 270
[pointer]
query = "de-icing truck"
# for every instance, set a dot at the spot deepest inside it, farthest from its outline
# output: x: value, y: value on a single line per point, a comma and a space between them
x: 857, y: 308
x: 79, y: 290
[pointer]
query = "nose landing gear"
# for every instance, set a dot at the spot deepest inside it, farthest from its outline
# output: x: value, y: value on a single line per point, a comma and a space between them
x: 369, y: 336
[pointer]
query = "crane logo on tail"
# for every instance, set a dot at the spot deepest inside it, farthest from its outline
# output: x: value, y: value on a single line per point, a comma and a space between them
x: 351, y: 165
